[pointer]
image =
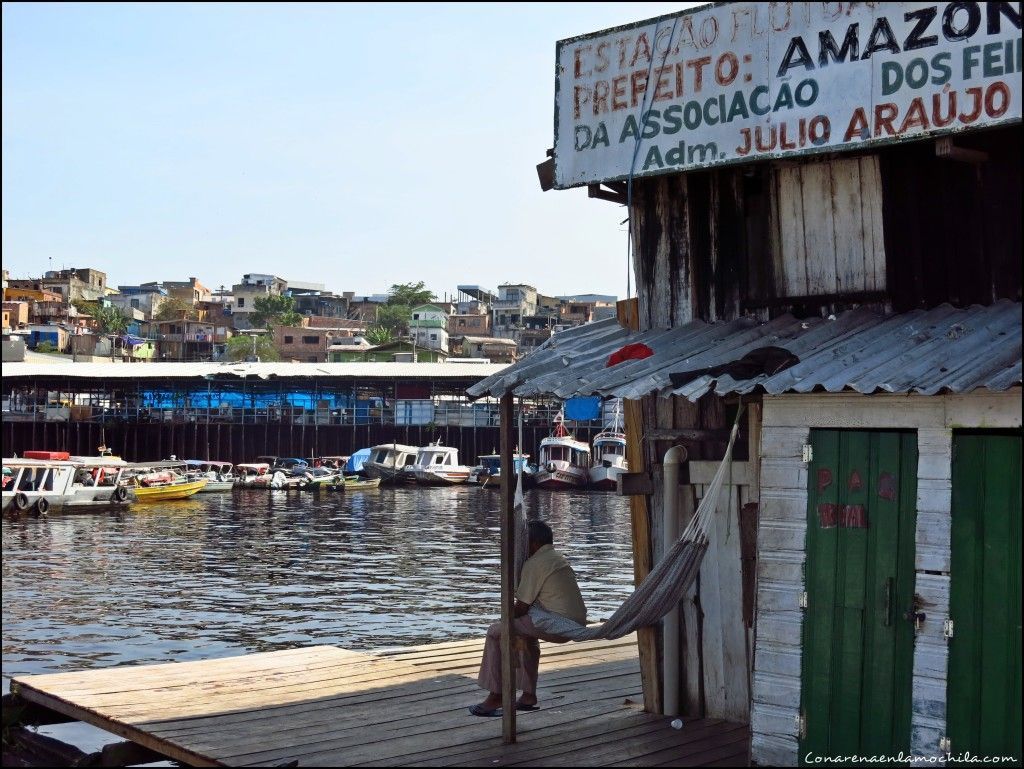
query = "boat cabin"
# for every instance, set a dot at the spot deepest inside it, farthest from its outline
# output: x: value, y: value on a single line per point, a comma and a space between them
x: 491, y: 463
x: 437, y: 456
x: 568, y: 450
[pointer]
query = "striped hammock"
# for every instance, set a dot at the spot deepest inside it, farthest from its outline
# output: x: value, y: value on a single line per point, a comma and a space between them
x: 661, y: 589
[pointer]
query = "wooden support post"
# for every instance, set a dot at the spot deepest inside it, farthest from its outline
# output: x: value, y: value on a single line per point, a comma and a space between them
x: 508, y: 551
x: 646, y: 637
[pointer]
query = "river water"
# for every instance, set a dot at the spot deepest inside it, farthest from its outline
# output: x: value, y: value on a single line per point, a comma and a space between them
x: 250, y: 571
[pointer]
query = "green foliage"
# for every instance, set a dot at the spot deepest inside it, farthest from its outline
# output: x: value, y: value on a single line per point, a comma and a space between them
x: 378, y: 335
x: 410, y: 294
x: 109, y: 320
x: 241, y: 347
x: 174, y: 308
x: 46, y: 346
x: 394, y: 319
x: 270, y: 311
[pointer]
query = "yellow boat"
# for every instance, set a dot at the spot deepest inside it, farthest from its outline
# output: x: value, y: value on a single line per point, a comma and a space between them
x: 165, y: 491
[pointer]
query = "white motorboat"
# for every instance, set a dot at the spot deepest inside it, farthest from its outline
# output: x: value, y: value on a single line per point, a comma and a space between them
x: 219, y: 476
x: 37, y: 485
x: 488, y: 472
x: 438, y: 465
x: 609, y: 460
x: 609, y: 456
x: 563, y: 462
x: 100, y: 480
x: 258, y: 475
x: 388, y: 460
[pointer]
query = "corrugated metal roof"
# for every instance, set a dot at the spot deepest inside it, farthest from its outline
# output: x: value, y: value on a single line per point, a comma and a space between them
x: 925, y: 351
x: 261, y: 370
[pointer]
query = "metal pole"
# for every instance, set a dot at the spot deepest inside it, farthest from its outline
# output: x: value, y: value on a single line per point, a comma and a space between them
x: 508, y: 668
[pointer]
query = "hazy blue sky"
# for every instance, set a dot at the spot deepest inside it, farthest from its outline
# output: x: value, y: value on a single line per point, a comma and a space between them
x: 354, y: 146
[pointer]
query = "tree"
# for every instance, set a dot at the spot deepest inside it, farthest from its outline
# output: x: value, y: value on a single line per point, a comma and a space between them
x: 378, y: 335
x: 410, y: 294
x: 174, y: 308
x: 109, y: 320
x: 241, y: 347
x: 394, y: 319
x: 276, y: 310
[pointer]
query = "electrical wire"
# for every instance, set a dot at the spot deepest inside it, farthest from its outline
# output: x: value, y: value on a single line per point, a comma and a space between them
x: 636, y: 148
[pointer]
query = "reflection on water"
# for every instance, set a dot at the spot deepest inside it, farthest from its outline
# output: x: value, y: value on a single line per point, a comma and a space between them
x: 223, y: 574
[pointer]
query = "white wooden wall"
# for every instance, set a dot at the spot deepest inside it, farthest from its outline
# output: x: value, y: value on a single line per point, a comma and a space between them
x: 782, y: 531
x: 827, y: 227
x: 727, y: 645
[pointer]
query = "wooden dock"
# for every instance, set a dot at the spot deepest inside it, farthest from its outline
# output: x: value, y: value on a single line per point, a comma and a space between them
x: 324, y: 706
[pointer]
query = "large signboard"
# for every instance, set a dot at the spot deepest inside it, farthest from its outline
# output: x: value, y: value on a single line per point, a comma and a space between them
x: 734, y: 82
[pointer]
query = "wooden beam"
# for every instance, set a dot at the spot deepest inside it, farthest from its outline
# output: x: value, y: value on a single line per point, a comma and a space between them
x: 508, y: 553
x: 614, y: 196
x: 646, y: 637
x: 945, y: 148
x: 23, y: 747
x: 689, y: 436
x: 20, y: 712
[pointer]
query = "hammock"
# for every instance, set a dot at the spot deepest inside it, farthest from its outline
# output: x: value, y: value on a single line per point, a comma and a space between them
x: 659, y: 592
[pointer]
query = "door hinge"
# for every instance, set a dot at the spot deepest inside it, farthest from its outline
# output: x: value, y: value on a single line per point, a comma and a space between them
x: 945, y: 745
x: 947, y: 628
x: 803, y: 600
x: 807, y: 453
x: 801, y: 726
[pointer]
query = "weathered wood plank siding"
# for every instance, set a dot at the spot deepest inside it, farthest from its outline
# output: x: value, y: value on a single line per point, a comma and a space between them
x: 828, y: 233
x: 953, y: 229
x: 899, y: 228
x: 787, y: 421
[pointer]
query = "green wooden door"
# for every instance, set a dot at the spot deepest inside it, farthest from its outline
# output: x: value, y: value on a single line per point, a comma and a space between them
x: 859, y: 577
x: 983, y: 710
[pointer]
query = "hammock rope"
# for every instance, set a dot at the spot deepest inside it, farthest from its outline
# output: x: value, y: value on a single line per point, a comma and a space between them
x: 661, y: 589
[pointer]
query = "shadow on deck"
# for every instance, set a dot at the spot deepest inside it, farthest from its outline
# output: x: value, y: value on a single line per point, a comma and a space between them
x: 323, y: 706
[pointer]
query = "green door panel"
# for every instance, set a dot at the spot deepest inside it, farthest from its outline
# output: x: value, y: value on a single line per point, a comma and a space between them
x: 983, y: 709
x: 859, y: 577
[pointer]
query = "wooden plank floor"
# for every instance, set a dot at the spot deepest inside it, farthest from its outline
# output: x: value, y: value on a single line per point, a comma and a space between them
x: 324, y: 706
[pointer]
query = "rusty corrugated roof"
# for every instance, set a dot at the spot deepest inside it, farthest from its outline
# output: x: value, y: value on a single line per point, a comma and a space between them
x: 945, y: 349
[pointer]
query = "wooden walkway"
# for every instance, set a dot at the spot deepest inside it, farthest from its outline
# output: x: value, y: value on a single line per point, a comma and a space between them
x: 324, y: 706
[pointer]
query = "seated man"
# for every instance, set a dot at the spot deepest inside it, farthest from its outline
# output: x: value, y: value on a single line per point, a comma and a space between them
x: 549, y: 581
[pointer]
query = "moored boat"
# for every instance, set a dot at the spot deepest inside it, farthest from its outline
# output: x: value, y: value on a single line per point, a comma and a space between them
x: 258, y: 475
x: 163, y: 481
x: 219, y: 475
x: 438, y: 465
x: 488, y: 473
x: 37, y: 485
x: 100, y: 480
x: 355, y: 483
x: 563, y: 462
x: 609, y: 460
x: 609, y: 456
x: 388, y: 460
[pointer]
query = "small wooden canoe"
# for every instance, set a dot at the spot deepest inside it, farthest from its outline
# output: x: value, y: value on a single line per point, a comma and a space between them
x: 354, y: 483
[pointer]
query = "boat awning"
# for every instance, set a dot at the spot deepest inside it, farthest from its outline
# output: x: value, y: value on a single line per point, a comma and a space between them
x: 945, y: 349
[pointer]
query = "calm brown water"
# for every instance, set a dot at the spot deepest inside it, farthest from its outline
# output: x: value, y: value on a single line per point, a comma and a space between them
x: 224, y: 574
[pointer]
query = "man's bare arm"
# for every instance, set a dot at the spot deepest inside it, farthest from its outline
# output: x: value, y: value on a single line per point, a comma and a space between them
x: 520, y: 609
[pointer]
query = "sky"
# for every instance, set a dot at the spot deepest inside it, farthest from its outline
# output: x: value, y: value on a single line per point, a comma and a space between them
x: 355, y: 146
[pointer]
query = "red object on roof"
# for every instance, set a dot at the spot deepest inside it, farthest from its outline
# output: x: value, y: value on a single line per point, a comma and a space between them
x: 635, y: 351
x: 52, y: 455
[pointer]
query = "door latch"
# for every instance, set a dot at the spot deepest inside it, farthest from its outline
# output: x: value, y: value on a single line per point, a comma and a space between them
x: 915, y: 615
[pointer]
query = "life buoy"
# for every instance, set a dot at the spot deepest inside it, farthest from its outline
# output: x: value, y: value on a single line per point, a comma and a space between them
x: 120, y: 494
x: 42, y: 506
x: 21, y: 501
x: 550, y: 467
